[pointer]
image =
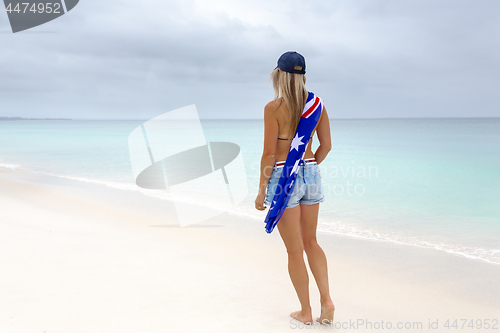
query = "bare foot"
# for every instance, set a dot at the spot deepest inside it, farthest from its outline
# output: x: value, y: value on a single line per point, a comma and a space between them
x: 327, y: 311
x: 306, y: 318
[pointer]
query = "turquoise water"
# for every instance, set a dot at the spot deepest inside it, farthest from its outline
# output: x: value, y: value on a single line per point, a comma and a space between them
x: 423, y: 182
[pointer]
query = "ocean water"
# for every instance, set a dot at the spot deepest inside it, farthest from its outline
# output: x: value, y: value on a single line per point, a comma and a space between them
x: 431, y: 183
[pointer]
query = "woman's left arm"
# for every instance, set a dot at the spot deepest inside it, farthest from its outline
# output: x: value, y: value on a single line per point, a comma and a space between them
x: 268, y: 159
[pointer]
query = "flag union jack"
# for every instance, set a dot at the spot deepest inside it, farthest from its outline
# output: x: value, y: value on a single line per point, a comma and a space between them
x: 309, y: 119
x: 312, y: 105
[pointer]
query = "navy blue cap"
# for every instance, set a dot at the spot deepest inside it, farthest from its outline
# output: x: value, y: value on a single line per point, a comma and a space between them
x: 289, y: 61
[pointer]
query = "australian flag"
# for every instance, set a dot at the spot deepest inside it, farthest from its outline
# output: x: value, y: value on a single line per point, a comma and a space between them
x: 307, y: 123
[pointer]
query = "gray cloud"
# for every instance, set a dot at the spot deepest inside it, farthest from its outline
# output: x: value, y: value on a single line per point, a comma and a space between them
x: 123, y: 59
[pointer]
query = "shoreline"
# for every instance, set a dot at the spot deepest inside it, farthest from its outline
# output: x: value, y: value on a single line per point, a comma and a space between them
x: 86, y: 257
x: 489, y: 256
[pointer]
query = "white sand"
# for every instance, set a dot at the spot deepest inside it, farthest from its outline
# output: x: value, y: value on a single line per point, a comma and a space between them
x: 80, y: 257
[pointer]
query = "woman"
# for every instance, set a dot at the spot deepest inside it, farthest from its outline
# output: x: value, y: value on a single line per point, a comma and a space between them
x: 298, y: 223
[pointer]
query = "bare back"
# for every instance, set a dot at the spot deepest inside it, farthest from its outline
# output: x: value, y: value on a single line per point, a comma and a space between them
x: 283, y: 118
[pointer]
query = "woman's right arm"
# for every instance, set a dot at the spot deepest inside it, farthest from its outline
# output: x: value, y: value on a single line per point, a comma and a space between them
x: 324, y: 137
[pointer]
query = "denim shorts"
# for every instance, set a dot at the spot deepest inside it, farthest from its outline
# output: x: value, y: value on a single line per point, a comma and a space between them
x: 308, y: 189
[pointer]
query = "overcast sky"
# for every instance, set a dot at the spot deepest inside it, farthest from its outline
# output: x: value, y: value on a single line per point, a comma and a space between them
x: 366, y: 59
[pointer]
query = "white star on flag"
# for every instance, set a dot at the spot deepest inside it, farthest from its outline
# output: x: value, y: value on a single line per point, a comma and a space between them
x: 296, y: 142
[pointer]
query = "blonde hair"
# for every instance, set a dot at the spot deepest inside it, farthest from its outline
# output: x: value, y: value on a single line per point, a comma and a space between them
x: 292, y: 87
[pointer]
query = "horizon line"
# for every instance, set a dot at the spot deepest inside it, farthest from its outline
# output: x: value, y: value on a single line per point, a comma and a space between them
x: 146, y: 119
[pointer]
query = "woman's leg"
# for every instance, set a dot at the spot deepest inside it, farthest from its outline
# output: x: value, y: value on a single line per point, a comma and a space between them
x: 316, y: 257
x: 289, y: 229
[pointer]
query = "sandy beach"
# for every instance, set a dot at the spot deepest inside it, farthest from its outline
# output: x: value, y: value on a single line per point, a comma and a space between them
x: 83, y: 257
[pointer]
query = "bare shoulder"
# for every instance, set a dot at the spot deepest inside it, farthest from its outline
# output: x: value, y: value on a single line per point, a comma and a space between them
x: 323, y: 111
x: 271, y: 107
